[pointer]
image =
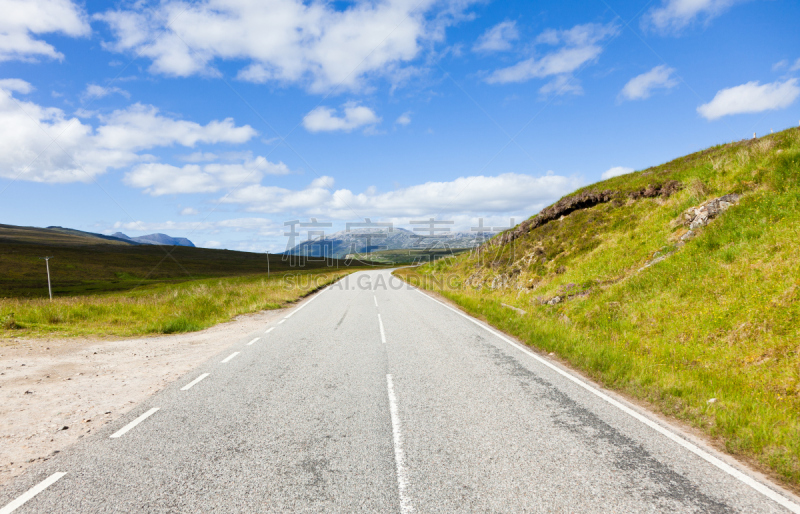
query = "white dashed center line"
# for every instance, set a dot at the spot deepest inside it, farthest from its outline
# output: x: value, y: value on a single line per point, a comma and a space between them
x: 399, y: 456
x: 193, y: 382
x: 121, y: 431
x: 253, y: 341
x: 30, y: 493
x: 270, y: 329
x: 380, y: 324
x: 281, y: 321
x: 229, y: 357
x: 376, y: 300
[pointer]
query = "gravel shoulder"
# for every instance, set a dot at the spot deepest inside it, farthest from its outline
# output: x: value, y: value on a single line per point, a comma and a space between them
x: 54, y: 391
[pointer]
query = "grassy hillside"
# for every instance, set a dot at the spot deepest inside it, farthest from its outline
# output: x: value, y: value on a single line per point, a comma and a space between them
x: 85, y: 265
x: 113, y: 288
x: 704, y: 328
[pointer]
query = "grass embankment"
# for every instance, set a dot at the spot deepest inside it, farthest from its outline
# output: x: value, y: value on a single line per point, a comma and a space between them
x: 409, y: 256
x: 159, y: 309
x: 718, y: 319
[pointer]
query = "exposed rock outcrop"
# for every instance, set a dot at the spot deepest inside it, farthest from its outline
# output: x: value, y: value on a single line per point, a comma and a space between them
x: 555, y: 211
x: 696, y: 217
x: 577, y: 202
x: 664, y: 190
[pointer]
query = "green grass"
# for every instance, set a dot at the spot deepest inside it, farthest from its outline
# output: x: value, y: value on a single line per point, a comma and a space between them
x: 717, y: 319
x: 408, y: 256
x: 110, y: 288
x: 82, y: 266
x: 160, y: 308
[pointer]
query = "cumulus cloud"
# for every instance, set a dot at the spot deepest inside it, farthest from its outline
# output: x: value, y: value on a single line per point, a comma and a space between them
x: 158, y: 179
x: 83, y: 151
x: 23, y: 20
x: 324, y: 119
x: 674, y: 15
x: 189, y: 211
x: 616, y: 171
x: 510, y: 192
x: 751, y: 97
x: 284, y: 41
x: 263, y: 225
x: 577, y: 46
x: 404, y: 119
x: 199, y: 157
x: 498, y: 38
x: 16, y: 85
x: 642, y: 86
x: 95, y: 91
x: 795, y: 66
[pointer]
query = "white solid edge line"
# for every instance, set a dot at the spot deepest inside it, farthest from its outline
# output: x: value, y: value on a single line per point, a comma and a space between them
x: 306, y: 303
x: 724, y: 466
x: 30, y: 493
x: 253, y: 341
x: 121, y: 431
x: 229, y: 357
x: 399, y: 455
x: 270, y: 329
x: 193, y: 382
x: 376, y: 300
x: 380, y: 324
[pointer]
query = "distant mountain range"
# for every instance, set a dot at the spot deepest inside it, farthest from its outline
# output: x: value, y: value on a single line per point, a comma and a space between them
x: 155, y: 239
x: 361, y: 241
x: 149, y: 239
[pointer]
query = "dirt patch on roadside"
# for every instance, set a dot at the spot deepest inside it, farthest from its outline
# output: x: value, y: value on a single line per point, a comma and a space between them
x: 82, y: 384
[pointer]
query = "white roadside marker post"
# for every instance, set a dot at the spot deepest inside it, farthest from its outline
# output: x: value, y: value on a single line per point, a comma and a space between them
x: 47, y: 263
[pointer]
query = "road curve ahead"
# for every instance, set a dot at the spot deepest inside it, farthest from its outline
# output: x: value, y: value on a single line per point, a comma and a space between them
x: 372, y: 396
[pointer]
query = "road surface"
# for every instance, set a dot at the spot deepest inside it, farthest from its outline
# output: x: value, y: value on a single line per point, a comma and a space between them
x: 372, y: 396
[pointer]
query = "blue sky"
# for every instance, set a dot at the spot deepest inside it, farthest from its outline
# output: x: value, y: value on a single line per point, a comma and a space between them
x: 219, y: 121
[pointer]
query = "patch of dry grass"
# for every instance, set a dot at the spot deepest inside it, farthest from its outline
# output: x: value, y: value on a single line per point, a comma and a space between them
x: 159, y: 309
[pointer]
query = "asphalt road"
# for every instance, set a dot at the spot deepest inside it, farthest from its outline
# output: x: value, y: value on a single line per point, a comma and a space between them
x: 372, y: 396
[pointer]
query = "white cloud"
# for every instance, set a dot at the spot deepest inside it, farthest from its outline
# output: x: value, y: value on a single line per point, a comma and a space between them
x: 82, y: 152
x: 795, y: 66
x: 674, y: 15
x: 16, y: 85
x: 497, y: 38
x: 616, y: 171
x: 324, y: 119
x: 751, y: 97
x: 158, y: 179
x: 578, y: 46
x: 189, y: 211
x: 199, y: 157
x: 510, y: 192
x: 23, y: 20
x: 404, y: 119
x: 562, y: 85
x: 312, y: 43
x: 262, y: 225
x: 642, y: 86
x: 95, y: 91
